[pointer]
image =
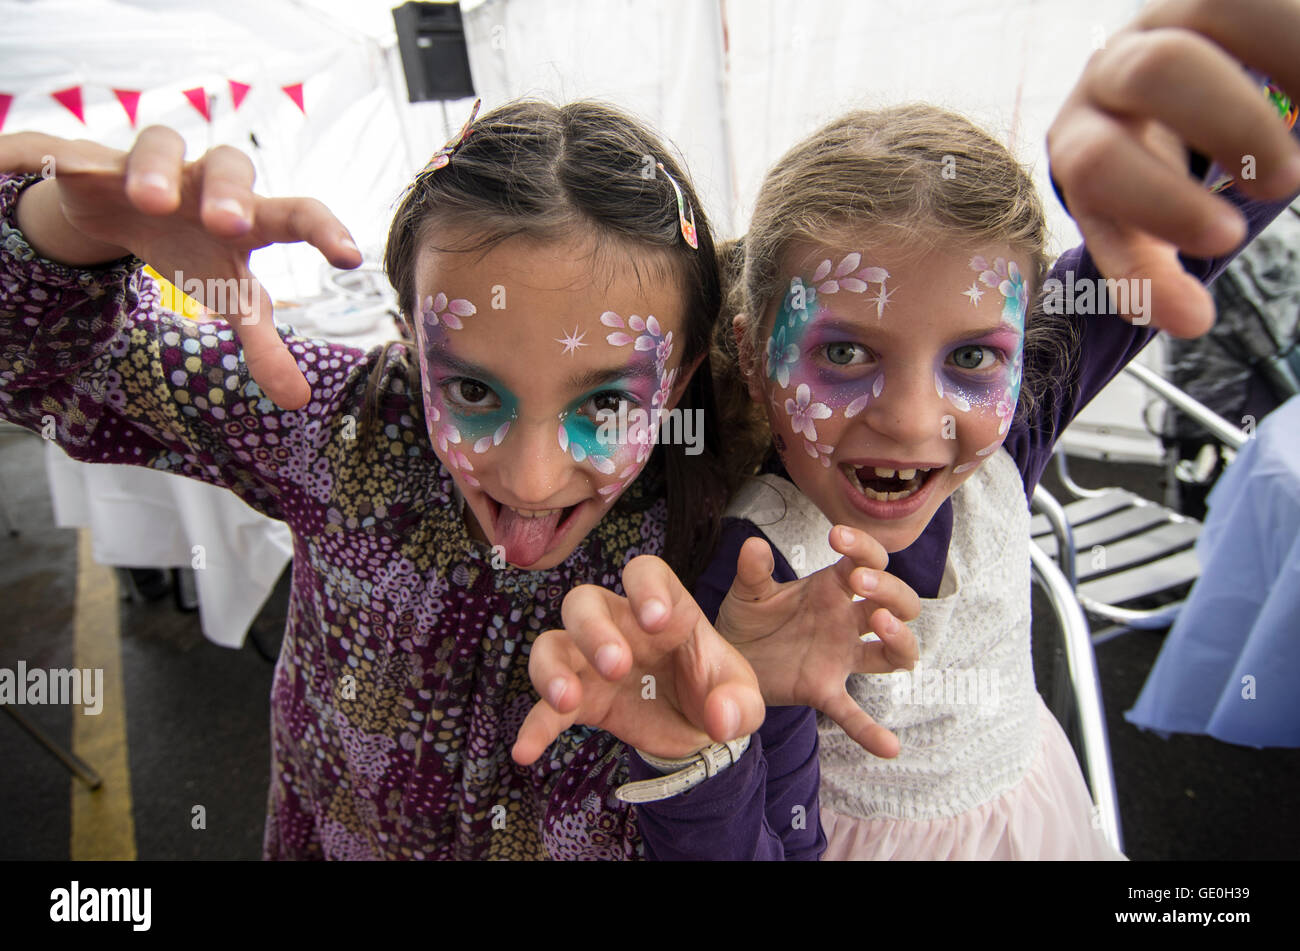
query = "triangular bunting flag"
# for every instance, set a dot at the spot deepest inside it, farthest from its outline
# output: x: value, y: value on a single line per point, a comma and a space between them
x: 5, y: 99
x: 199, y: 100
x: 237, y: 91
x: 294, y: 91
x: 70, y: 98
x: 130, y: 100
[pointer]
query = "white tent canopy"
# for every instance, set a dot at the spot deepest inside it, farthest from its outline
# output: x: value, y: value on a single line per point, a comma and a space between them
x: 732, y: 83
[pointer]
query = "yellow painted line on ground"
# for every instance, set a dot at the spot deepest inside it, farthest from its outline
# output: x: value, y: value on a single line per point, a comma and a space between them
x: 102, y: 827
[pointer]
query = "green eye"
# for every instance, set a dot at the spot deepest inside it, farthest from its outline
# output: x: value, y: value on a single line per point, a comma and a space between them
x: 842, y: 354
x: 972, y: 358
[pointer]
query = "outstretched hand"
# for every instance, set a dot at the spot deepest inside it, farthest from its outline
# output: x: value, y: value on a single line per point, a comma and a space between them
x: 1170, y: 81
x: 648, y: 668
x: 200, y: 219
x: 803, y: 638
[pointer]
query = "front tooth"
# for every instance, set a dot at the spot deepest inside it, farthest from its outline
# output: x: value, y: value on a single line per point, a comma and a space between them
x: 884, y: 473
x: 906, y: 474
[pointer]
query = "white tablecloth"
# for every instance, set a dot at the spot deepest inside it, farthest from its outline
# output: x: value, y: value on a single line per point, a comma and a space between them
x: 1230, y: 666
x: 140, y: 518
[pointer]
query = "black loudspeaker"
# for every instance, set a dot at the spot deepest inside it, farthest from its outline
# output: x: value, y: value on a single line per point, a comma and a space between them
x: 431, y: 38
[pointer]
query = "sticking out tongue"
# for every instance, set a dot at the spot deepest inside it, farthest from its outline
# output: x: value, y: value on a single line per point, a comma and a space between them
x: 525, y: 539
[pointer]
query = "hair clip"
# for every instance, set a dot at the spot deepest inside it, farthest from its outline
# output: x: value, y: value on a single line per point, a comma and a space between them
x: 688, y: 227
x: 443, y: 155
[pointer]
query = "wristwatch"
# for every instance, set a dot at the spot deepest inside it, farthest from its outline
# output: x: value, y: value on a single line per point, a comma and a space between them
x: 683, y: 774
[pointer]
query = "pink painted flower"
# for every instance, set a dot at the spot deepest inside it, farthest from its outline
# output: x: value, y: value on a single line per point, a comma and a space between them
x: 438, y: 308
x: 803, y: 411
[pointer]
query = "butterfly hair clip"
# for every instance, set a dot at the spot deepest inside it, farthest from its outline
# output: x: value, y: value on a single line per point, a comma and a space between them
x: 688, y: 227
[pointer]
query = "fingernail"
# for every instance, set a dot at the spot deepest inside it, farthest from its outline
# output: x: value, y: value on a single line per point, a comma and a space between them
x: 155, y: 180
x: 230, y: 207
x: 867, y: 580
x: 846, y: 536
x: 653, y: 611
x: 730, y: 718
x: 556, y: 691
x: 349, y: 243
x: 607, y: 659
x: 891, y: 625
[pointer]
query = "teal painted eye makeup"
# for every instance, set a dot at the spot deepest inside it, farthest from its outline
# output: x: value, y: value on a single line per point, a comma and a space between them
x: 599, y: 426
x: 482, y: 412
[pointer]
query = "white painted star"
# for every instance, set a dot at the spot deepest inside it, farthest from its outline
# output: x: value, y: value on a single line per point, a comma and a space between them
x: 881, y: 300
x: 571, y: 341
x: 974, y: 294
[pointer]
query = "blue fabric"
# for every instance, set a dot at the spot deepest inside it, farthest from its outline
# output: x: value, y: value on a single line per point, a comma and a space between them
x: 1230, y: 667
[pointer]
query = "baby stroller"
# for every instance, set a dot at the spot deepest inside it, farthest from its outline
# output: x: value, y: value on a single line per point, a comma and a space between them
x: 1245, y: 367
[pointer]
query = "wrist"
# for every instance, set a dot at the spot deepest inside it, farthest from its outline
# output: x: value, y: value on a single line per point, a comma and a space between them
x: 39, y: 217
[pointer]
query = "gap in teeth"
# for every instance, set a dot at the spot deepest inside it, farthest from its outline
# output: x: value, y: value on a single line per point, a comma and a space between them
x: 905, y: 474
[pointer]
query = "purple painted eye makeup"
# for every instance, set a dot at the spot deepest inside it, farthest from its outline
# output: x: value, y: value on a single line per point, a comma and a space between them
x: 1004, y: 391
x: 444, y: 413
x: 807, y: 350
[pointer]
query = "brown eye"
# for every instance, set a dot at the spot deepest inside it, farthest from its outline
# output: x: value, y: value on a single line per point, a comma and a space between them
x: 472, y: 393
x: 607, y: 401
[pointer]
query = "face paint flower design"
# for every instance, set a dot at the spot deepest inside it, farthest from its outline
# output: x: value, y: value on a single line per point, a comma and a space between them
x: 440, y: 310
x: 446, y: 437
x: 780, y: 358
x: 859, y: 404
x: 646, y: 336
x: 1005, y: 278
x: 955, y: 398
x: 804, y: 412
x: 843, y: 279
x: 487, y: 442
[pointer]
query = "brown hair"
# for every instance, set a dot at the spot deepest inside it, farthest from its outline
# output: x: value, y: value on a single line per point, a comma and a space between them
x: 885, y: 173
x: 533, y: 169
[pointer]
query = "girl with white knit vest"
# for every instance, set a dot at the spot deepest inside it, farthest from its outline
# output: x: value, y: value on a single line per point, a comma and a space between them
x: 904, y: 365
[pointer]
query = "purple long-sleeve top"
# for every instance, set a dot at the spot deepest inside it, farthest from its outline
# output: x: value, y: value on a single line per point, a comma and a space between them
x: 747, y: 811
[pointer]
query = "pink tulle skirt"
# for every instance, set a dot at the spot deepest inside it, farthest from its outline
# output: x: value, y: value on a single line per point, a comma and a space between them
x: 1047, y: 815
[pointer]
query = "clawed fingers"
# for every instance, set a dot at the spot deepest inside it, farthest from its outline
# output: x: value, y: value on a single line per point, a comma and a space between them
x: 593, y: 629
x: 859, y: 549
x: 654, y: 593
x: 897, y: 648
x: 881, y: 589
x: 863, y: 730
x: 539, y: 730
x: 154, y: 169
x: 286, y: 220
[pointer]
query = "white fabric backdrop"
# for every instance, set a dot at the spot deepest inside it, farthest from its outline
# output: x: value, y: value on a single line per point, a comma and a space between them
x: 731, y: 83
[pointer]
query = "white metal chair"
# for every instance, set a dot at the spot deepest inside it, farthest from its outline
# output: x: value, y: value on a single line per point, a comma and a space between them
x: 1118, y: 551
x: 1080, y: 706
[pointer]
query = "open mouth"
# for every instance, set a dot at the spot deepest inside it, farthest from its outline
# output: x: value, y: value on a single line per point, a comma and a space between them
x: 528, y: 534
x: 887, y: 485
